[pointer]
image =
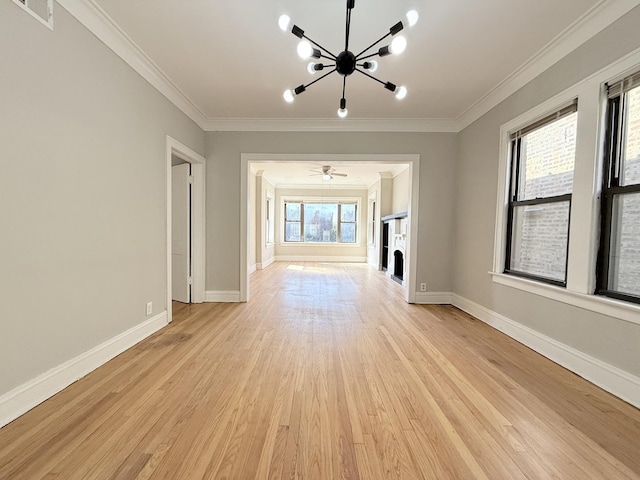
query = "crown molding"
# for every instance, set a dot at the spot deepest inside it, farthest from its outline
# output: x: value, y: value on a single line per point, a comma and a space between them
x: 96, y: 20
x: 599, y: 17
x: 331, y: 125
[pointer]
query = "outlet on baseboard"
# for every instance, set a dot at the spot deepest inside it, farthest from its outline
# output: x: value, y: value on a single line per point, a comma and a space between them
x: 149, y: 308
x: 423, y: 287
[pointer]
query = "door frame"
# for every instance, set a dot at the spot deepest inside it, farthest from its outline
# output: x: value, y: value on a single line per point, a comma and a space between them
x: 413, y: 160
x: 197, y: 161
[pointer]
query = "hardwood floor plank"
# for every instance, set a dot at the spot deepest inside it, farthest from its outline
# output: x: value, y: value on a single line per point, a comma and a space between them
x: 326, y: 373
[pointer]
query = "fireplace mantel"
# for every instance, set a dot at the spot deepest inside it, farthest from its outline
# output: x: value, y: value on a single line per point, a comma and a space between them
x: 394, y: 243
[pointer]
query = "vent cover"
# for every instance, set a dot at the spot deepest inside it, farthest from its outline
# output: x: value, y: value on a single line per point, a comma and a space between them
x: 41, y: 10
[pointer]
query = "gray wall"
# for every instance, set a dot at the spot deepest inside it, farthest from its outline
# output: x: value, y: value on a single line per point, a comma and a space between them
x: 437, y: 176
x: 82, y: 193
x: 611, y: 340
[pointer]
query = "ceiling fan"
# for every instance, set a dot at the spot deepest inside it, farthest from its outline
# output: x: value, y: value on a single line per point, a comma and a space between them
x: 327, y: 172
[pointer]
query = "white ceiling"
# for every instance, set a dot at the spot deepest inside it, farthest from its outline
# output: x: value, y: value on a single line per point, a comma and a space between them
x: 230, y: 60
x: 226, y: 63
x: 295, y: 174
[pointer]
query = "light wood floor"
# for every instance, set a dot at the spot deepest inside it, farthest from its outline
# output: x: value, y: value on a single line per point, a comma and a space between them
x: 326, y: 374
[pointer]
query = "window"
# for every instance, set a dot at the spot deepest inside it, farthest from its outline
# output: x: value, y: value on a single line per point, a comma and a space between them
x: 269, y: 219
x: 320, y: 222
x: 371, y: 224
x: 619, y: 255
x: 541, y: 184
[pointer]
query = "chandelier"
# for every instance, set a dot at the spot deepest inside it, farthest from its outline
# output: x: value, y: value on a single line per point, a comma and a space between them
x: 345, y: 63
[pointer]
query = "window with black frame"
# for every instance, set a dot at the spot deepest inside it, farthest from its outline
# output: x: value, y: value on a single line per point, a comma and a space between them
x: 619, y: 257
x: 320, y: 222
x: 541, y: 185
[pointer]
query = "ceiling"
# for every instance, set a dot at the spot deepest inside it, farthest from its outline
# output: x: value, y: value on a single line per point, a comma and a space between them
x: 300, y: 174
x: 229, y: 61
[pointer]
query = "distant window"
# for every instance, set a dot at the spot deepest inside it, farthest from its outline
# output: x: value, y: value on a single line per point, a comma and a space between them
x: 619, y: 258
x: 542, y: 162
x: 42, y: 10
x: 269, y: 230
x: 371, y: 224
x: 320, y: 222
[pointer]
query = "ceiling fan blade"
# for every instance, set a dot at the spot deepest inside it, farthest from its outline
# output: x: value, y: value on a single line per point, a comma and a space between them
x: 339, y: 174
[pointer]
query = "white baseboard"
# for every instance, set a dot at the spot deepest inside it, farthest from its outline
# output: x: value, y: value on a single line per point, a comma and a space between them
x: 612, y: 379
x: 26, y: 396
x: 266, y: 263
x: 433, y: 298
x: 320, y: 258
x: 252, y: 268
x: 222, y: 296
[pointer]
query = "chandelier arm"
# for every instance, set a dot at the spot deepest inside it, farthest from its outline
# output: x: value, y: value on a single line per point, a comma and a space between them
x: 377, y: 54
x: 371, y: 46
x: 344, y: 85
x: 320, y: 78
x: 333, y: 57
x: 371, y: 76
x: 328, y: 58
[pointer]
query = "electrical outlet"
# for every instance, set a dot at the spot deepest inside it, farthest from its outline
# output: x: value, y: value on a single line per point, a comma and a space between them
x: 149, y: 308
x: 423, y: 287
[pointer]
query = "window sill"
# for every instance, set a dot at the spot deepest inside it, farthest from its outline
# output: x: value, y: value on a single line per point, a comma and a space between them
x: 606, y: 306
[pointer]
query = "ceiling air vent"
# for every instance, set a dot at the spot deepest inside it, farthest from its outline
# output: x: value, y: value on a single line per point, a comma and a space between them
x: 41, y: 10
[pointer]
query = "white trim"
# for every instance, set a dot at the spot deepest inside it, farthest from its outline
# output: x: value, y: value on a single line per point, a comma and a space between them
x: 417, y: 125
x: 612, y: 379
x: 626, y: 311
x: 96, y: 20
x: 413, y: 160
x: 222, y: 296
x: 26, y: 396
x: 320, y: 258
x: 599, y: 17
x: 265, y: 264
x: 198, y: 218
x: 433, y: 298
x: 253, y: 268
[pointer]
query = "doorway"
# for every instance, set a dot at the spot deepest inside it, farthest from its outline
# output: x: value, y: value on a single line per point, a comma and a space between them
x: 412, y: 160
x: 185, y: 224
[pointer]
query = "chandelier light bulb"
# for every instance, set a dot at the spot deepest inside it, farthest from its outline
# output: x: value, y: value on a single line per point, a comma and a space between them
x: 284, y: 21
x: 305, y: 50
x: 412, y: 17
x: 288, y: 96
x: 401, y: 92
x: 343, y: 112
x: 311, y: 68
x: 398, y: 45
x: 373, y: 66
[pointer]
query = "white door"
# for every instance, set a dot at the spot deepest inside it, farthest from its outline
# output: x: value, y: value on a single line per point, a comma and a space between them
x: 180, y: 233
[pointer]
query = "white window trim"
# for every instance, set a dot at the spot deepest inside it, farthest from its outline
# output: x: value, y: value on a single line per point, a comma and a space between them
x: 312, y: 199
x: 48, y: 22
x: 585, y: 208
